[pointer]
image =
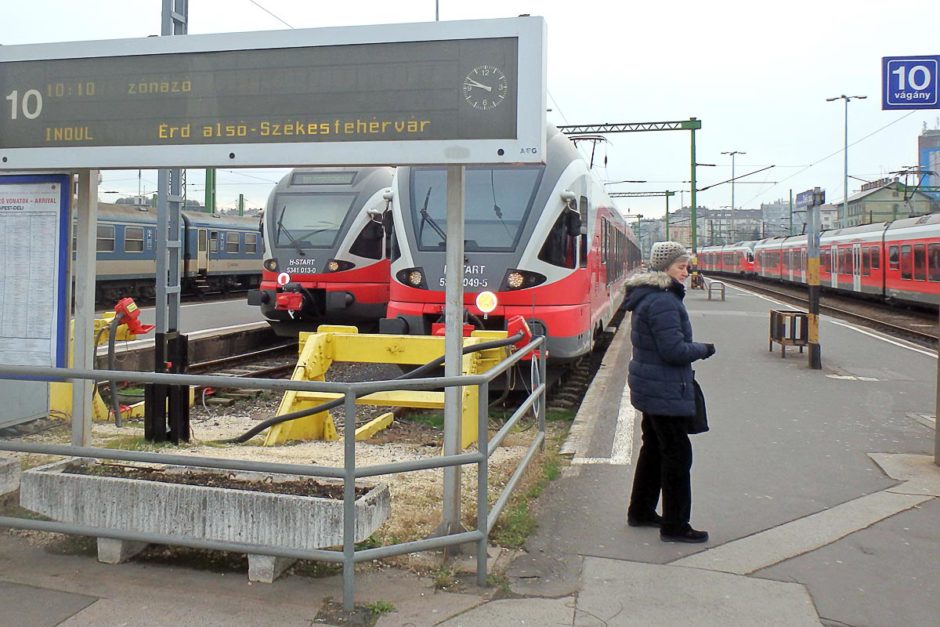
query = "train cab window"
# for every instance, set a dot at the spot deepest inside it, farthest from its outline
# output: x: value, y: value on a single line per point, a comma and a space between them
x: 893, y: 258
x: 368, y: 243
x: 231, y: 242
x: 213, y: 241
x: 251, y: 242
x: 907, y: 263
x: 558, y: 248
x: 105, y: 240
x: 933, y: 262
x: 133, y: 239
x: 497, y: 201
x: 920, y: 262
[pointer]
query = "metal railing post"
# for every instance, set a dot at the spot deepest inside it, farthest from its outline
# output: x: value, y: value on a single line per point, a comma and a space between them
x: 349, y: 503
x: 482, y: 481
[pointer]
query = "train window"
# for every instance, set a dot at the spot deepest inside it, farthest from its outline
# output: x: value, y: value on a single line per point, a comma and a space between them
x: 825, y: 260
x: 907, y: 265
x: 558, y: 248
x: 105, y: 241
x: 933, y: 262
x: 251, y: 242
x: 583, y: 205
x: 310, y: 220
x: 213, y: 241
x: 920, y: 262
x: 231, y: 242
x: 893, y: 258
x: 497, y: 202
x: 133, y: 239
x: 875, y: 257
x: 866, y: 262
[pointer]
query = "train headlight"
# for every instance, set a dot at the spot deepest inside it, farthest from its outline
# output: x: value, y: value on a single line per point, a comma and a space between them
x: 270, y: 265
x: 338, y: 265
x: 521, y: 279
x: 412, y: 277
x: 486, y: 302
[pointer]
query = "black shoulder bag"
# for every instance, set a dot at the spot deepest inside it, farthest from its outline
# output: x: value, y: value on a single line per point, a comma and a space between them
x: 699, y: 422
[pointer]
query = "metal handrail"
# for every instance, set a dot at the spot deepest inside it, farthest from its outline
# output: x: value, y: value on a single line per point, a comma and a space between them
x: 349, y: 556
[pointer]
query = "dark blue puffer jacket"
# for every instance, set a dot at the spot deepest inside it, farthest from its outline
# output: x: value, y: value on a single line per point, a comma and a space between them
x: 660, y: 376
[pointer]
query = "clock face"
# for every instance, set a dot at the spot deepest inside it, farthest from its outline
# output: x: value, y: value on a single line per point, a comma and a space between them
x: 485, y: 87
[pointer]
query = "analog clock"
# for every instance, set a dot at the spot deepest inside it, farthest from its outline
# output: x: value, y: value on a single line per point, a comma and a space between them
x: 485, y: 87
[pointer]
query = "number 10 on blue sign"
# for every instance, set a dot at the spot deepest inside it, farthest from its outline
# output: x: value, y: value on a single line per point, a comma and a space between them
x: 910, y: 82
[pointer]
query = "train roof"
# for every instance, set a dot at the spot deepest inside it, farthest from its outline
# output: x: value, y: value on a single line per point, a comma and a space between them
x: 148, y: 215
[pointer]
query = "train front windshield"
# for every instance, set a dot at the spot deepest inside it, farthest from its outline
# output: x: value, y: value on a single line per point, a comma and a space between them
x: 309, y: 220
x: 496, y: 204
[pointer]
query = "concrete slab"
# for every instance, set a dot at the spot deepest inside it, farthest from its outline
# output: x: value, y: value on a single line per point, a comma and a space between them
x: 622, y: 593
x: 918, y: 472
x: 9, y: 475
x: 802, y: 535
x: 38, y: 607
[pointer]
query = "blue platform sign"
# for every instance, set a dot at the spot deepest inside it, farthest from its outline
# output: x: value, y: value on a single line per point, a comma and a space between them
x: 910, y: 82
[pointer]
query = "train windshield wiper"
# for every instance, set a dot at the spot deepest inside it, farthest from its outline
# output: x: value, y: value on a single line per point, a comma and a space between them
x: 426, y: 218
x: 282, y: 229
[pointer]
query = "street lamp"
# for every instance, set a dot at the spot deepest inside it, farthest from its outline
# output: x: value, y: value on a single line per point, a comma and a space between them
x: 732, y: 153
x: 845, y: 188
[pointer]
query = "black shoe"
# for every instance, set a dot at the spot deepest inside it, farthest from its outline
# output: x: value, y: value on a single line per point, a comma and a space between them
x: 653, y: 520
x: 689, y: 535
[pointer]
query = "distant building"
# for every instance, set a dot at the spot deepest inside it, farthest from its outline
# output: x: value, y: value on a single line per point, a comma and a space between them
x: 885, y: 200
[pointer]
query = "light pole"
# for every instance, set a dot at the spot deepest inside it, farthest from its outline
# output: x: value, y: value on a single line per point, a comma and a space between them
x: 845, y: 187
x: 732, y: 153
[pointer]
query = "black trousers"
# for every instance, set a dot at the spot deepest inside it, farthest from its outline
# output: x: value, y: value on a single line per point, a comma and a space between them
x: 663, y: 465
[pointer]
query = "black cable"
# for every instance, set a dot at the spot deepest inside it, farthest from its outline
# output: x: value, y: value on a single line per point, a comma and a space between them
x: 276, y: 420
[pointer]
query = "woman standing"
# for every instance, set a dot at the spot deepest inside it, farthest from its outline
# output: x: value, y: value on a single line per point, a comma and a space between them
x: 660, y: 380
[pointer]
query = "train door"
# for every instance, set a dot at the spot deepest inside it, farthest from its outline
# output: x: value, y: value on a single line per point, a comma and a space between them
x: 202, y: 252
x: 856, y: 267
x: 834, y: 255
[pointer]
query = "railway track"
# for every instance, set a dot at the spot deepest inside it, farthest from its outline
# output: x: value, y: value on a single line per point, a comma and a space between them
x: 911, y: 324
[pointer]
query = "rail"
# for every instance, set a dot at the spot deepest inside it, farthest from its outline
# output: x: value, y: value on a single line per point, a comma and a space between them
x: 349, y: 555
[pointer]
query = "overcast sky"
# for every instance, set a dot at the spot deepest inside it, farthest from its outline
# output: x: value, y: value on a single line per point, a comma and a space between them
x: 756, y: 73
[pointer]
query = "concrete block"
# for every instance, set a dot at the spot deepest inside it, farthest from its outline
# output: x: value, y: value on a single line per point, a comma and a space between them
x: 197, y: 511
x: 9, y: 475
x: 112, y: 551
x: 267, y: 568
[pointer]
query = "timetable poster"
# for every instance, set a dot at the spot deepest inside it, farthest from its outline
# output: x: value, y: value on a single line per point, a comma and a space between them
x: 34, y: 212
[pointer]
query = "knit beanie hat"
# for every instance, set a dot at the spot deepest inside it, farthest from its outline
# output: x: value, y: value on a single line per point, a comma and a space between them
x: 664, y: 254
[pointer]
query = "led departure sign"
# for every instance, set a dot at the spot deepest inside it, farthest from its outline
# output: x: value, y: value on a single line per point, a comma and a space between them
x: 256, y: 102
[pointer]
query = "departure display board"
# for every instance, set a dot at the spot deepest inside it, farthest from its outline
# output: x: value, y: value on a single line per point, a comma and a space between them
x: 443, y: 92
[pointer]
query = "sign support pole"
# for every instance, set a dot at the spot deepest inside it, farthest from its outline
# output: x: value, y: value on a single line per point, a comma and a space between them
x: 83, y: 343
x: 812, y: 280
x: 453, y: 343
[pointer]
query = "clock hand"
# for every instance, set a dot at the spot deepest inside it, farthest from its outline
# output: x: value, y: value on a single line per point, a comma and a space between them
x: 473, y: 83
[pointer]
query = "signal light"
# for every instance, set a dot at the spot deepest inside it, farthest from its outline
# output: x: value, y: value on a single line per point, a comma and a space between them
x: 412, y: 277
x: 338, y: 265
x: 521, y: 279
x: 270, y: 265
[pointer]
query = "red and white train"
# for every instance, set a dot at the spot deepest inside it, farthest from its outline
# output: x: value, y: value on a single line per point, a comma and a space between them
x: 325, y: 249
x: 894, y: 261
x: 547, y: 240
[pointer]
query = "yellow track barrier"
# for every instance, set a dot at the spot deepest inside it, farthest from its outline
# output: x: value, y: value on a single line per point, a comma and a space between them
x: 332, y: 343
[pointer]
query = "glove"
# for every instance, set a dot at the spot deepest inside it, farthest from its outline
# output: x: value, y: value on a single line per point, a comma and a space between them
x: 709, y: 350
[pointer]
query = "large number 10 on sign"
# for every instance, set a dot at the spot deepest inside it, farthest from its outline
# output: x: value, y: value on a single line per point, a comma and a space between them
x: 910, y: 82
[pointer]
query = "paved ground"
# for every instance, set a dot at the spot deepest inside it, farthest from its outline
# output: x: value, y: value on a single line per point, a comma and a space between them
x: 818, y: 488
